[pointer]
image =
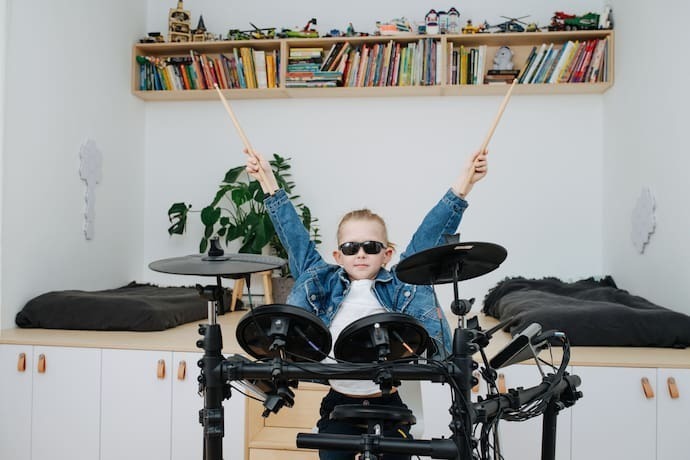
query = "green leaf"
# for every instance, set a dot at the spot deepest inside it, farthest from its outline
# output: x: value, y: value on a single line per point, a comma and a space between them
x: 222, y: 191
x: 203, y: 245
x: 210, y: 215
x: 232, y: 174
x: 177, y: 215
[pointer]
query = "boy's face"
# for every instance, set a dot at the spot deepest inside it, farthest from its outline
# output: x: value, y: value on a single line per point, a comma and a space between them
x: 361, y: 265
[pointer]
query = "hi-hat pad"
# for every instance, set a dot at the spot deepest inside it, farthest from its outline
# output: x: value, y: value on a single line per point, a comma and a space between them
x: 439, y: 264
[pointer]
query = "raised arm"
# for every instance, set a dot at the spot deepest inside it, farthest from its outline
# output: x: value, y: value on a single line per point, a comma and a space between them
x: 445, y: 216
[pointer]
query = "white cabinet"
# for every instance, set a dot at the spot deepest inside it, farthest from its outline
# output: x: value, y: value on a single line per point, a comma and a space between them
x: 522, y: 440
x: 614, y: 418
x: 16, y: 364
x: 673, y: 407
x: 136, y: 405
x: 49, y: 403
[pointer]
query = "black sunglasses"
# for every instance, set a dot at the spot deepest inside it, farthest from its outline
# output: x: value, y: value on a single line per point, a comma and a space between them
x: 370, y: 247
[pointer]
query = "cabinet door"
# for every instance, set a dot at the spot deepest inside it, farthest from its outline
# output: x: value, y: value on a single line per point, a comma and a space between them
x: 522, y: 440
x: 673, y: 407
x: 16, y: 364
x: 136, y: 405
x: 66, y: 403
x: 614, y: 418
x: 187, y: 432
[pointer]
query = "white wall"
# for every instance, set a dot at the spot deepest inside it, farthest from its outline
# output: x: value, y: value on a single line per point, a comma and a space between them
x: 67, y: 80
x: 541, y: 200
x: 3, y: 66
x: 645, y: 138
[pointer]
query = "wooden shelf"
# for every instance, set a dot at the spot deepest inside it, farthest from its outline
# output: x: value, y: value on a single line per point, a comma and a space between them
x: 520, y: 43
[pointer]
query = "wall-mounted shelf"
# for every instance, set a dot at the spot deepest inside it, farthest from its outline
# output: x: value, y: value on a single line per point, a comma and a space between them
x: 438, y: 52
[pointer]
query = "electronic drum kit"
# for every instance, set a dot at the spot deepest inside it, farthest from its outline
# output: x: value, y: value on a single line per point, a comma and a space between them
x: 288, y: 343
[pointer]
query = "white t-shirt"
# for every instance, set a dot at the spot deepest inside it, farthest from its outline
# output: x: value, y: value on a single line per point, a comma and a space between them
x: 358, y: 303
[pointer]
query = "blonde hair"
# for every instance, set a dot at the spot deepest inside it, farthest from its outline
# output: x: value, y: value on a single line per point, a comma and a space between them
x: 365, y: 214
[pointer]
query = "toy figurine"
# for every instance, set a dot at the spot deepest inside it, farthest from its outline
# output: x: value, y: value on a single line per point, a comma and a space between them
x: 453, y: 21
x: 503, y: 60
x: 431, y: 20
x: 199, y: 34
x: 305, y: 32
x: 179, y: 24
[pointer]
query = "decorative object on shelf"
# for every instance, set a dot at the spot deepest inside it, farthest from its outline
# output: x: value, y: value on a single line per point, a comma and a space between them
x: 305, y: 32
x: 453, y: 21
x: 565, y: 21
x: 200, y: 34
x: 179, y: 24
x: 237, y: 212
x: 470, y: 28
x: 153, y: 37
x: 431, y: 21
x: 503, y: 59
x: 442, y: 21
x: 90, y: 171
x: 511, y: 25
x: 643, y: 220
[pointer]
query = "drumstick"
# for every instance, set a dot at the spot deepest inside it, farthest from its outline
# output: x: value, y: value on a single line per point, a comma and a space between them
x: 244, y: 138
x: 485, y: 144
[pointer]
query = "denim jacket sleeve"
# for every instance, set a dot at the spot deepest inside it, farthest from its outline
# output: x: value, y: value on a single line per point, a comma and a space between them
x: 442, y: 219
x: 302, y: 253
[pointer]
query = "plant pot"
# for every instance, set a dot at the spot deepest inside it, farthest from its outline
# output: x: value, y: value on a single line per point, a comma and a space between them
x: 281, y: 289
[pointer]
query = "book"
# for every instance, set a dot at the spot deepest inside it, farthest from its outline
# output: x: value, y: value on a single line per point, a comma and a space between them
x: 540, y: 64
x: 594, y: 68
x: 271, y: 70
x: 331, y: 55
x: 563, y: 58
x: 260, y: 69
x: 528, y: 62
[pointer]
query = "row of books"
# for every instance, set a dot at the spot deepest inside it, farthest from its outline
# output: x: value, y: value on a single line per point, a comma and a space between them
x: 466, y: 65
x: 304, y: 70
x: 243, y: 68
x: 574, y: 62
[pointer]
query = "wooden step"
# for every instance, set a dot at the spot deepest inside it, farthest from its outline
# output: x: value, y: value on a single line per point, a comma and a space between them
x: 274, y: 437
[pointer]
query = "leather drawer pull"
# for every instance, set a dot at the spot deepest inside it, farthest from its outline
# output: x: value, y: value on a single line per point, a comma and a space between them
x: 647, y: 388
x: 182, y: 370
x: 502, y: 384
x: 160, y: 372
x: 41, y: 363
x: 21, y: 362
x: 673, y: 388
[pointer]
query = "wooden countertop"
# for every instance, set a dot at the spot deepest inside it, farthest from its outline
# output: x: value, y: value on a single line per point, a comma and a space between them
x: 183, y: 338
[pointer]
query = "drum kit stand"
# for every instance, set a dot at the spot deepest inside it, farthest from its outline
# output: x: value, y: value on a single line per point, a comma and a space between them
x: 289, y: 343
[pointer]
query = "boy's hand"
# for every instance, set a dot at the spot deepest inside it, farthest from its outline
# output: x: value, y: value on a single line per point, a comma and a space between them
x: 475, y: 169
x: 259, y: 168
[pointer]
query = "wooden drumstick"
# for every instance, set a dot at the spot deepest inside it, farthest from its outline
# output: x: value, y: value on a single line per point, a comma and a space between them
x: 244, y: 138
x: 485, y: 144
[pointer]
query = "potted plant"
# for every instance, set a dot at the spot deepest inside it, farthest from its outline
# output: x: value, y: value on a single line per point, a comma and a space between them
x: 238, y: 212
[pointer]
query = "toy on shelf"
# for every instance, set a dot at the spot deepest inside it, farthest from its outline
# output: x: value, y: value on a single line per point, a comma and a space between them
x: 153, y: 37
x: 179, y: 24
x: 431, y: 22
x: 200, y: 34
x: 470, y: 28
x: 398, y: 26
x: 511, y: 25
x: 305, y: 32
x: 564, y: 21
x: 453, y: 26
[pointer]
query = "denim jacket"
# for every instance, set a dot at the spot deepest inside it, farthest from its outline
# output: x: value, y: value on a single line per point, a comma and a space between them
x: 320, y: 287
